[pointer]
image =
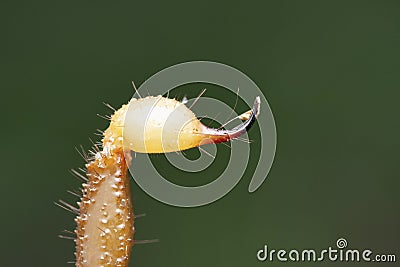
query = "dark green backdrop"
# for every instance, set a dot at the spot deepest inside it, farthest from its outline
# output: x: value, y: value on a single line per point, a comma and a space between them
x: 331, y: 73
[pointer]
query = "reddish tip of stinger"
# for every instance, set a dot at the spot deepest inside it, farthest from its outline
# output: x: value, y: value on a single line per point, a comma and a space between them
x: 219, y: 136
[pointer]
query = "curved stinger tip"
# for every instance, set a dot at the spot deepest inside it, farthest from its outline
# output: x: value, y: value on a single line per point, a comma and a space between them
x: 249, y: 117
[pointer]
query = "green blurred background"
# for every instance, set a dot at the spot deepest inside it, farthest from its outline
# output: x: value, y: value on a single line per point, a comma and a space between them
x: 329, y: 69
